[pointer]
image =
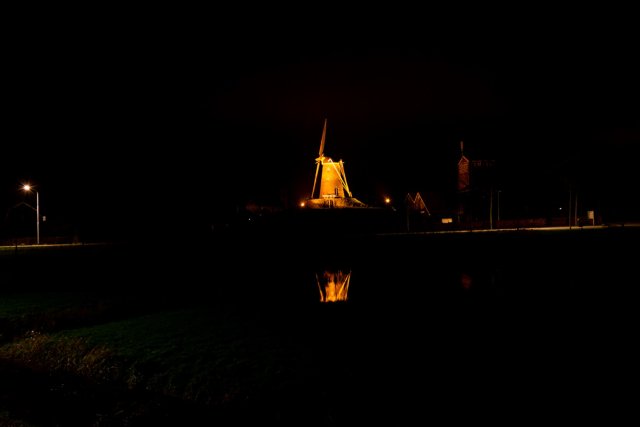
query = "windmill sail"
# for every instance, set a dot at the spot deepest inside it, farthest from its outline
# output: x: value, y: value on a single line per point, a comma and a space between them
x: 323, y: 139
x: 320, y: 157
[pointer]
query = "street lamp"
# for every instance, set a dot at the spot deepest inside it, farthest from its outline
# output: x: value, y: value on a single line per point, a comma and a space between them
x: 27, y: 187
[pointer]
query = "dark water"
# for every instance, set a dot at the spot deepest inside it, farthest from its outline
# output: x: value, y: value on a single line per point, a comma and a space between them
x: 509, y: 325
x: 474, y: 270
x: 504, y: 326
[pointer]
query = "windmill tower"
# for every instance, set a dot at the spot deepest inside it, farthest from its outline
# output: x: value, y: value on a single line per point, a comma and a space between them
x: 475, y: 186
x: 463, y: 171
x: 334, y: 190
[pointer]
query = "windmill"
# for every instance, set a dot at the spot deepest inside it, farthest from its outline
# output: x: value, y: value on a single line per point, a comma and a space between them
x: 334, y: 189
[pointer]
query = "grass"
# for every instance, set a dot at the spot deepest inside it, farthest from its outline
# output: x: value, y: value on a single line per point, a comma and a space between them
x: 194, y: 354
x: 6, y: 421
x: 25, y: 304
x: 211, y: 356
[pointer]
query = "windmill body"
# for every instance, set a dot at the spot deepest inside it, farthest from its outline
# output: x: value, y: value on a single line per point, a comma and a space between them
x: 333, y: 190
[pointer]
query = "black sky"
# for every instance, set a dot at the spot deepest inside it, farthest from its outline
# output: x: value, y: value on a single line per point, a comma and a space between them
x: 172, y: 119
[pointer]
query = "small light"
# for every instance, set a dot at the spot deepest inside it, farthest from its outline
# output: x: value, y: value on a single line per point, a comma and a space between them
x: 387, y: 200
x: 26, y: 187
x: 302, y: 204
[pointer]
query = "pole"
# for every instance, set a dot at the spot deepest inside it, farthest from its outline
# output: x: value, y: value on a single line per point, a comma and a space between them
x: 37, y: 218
x: 569, y: 209
x: 491, y: 209
x: 575, y: 211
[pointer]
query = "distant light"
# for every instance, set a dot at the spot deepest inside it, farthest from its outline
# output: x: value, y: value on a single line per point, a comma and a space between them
x: 560, y: 207
x: 302, y: 204
x: 26, y: 187
x: 387, y: 200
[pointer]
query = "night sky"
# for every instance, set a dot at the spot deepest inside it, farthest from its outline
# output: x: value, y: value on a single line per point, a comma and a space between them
x: 161, y: 124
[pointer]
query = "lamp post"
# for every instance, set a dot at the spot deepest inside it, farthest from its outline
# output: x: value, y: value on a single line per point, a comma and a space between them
x: 27, y: 187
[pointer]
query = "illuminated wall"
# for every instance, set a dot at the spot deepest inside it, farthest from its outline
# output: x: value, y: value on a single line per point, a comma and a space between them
x: 330, y: 184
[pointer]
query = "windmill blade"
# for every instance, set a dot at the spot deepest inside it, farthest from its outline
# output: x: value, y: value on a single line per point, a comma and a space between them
x: 324, y: 134
x: 315, y: 180
x: 339, y: 167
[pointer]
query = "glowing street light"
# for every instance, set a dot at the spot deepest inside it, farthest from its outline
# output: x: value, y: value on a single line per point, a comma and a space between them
x: 27, y: 187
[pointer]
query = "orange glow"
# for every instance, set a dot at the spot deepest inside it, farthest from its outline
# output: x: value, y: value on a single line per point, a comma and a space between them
x: 387, y: 200
x: 333, y: 286
x: 302, y: 204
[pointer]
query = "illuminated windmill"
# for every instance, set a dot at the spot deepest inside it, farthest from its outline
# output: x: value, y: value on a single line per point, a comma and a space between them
x: 334, y: 191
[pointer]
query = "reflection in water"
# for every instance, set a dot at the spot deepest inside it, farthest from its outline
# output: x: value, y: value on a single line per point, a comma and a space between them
x: 333, y: 286
x: 466, y: 280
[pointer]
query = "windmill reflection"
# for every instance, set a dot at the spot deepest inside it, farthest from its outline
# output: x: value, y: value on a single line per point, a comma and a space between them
x: 333, y: 286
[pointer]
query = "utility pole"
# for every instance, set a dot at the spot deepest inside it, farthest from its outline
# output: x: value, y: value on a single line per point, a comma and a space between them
x: 491, y: 209
x: 37, y: 217
x: 570, y: 208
